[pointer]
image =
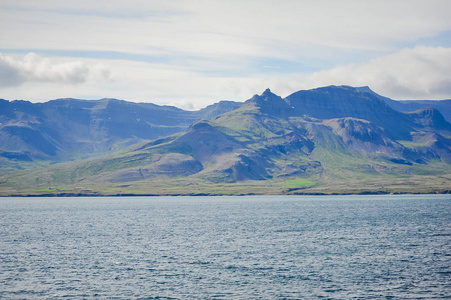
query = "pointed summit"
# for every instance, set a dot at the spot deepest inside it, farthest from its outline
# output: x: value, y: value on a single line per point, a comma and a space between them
x: 267, y: 95
x: 268, y: 102
x: 267, y: 92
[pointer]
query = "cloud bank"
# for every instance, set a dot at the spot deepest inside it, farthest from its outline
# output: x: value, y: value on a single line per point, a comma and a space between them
x: 34, y: 68
x: 419, y: 73
x: 193, y: 52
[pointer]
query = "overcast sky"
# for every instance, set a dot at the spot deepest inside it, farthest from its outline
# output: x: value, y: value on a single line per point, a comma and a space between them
x: 193, y: 53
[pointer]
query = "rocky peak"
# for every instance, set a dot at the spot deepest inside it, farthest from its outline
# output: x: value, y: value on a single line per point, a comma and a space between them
x: 268, y: 93
x: 270, y: 103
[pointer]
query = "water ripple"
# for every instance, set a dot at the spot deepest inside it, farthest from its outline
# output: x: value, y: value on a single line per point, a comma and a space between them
x: 347, y: 247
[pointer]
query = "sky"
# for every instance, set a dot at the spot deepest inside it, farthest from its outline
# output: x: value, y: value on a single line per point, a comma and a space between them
x: 192, y: 53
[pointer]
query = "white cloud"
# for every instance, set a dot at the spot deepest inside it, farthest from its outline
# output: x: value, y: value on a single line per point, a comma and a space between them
x: 34, y: 68
x: 419, y: 73
x: 128, y: 80
x: 9, y: 74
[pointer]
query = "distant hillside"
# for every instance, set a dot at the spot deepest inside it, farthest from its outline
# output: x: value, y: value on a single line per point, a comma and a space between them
x: 335, y: 139
x: 68, y: 129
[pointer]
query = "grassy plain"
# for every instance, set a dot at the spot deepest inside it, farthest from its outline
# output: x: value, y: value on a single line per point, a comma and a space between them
x: 195, y: 186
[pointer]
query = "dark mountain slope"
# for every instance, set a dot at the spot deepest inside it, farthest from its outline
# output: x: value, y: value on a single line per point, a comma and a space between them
x: 429, y: 117
x: 443, y: 106
x: 344, y: 101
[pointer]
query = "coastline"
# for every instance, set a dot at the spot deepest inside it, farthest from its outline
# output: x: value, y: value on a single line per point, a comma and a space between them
x: 68, y: 195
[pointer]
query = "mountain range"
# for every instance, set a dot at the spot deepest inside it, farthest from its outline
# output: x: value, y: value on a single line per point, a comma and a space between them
x: 67, y: 129
x: 335, y: 139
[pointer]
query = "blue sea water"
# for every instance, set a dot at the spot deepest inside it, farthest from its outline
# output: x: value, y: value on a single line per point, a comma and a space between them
x: 270, y: 247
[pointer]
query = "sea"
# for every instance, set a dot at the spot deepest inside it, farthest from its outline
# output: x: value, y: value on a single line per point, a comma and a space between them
x: 256, y: 247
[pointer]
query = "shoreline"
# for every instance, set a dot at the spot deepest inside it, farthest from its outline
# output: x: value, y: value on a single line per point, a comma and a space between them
x: 74, y: 195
